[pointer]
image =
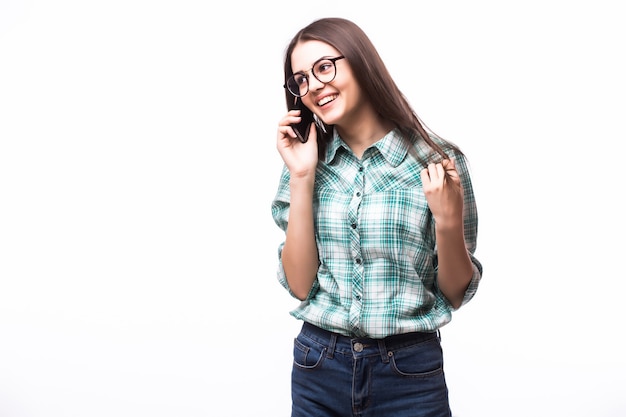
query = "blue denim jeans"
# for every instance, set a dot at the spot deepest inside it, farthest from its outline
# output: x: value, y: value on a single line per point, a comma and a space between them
x: 339, y: 376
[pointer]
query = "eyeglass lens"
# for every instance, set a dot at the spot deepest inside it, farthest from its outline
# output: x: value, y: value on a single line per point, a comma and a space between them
x: 324, y: 70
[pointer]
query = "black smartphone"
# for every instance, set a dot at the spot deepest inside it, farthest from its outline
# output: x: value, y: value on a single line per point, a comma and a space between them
x: 302, y: 129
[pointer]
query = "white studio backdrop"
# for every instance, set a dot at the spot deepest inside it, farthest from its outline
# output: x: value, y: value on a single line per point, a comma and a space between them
x: 138, y: 164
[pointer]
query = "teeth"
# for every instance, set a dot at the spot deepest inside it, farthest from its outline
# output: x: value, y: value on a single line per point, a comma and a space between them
x: 326, y: 99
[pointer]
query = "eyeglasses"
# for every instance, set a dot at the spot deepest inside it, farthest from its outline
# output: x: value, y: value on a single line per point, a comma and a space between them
x: 324, y: 69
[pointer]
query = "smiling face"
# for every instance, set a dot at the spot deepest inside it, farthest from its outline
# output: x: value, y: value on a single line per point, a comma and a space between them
x: 337, y: 102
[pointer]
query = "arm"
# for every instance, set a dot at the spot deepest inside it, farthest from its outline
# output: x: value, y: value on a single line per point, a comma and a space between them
x: 299, y: 254
x: 444, y: 193
x: 455, y: 266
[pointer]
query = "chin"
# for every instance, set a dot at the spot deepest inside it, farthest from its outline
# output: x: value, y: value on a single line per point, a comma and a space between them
x: 329, y: 120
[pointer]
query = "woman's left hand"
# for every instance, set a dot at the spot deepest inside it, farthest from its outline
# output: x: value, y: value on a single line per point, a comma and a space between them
x: 444, y: 193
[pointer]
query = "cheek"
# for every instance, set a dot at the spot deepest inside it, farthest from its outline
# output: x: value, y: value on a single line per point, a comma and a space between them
x: 308, y: 101
x: 351, y: 98
x: 349, y: 89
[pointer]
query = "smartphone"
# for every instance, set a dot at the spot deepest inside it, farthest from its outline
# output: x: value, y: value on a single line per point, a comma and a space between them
x: 302, y: 129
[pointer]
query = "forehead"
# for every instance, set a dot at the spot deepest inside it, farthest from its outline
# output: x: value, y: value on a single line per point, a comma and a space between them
x: 307, y: 52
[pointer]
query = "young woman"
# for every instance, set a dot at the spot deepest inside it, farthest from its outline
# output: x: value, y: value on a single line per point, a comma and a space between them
x: 380, y: 229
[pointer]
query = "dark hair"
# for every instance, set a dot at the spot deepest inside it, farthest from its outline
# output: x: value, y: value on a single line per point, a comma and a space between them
x: 371, y: 74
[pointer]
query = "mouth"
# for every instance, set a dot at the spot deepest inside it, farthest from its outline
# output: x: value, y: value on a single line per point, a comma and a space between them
x: 327, y: 99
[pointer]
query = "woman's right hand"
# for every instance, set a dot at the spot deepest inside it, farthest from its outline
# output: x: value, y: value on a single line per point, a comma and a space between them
x: 300, y: 158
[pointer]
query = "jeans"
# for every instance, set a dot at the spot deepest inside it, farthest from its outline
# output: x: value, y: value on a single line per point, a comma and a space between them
x: 339, y: 376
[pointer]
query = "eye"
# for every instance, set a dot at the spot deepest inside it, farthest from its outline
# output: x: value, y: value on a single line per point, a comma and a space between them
x: 299, y: 78
x: 324, y: 67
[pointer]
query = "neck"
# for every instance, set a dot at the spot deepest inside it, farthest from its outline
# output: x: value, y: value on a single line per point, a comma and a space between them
x: 360, y: 134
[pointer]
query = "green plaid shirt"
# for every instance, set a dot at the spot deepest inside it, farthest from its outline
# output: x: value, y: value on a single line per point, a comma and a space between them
x: 376, y: 241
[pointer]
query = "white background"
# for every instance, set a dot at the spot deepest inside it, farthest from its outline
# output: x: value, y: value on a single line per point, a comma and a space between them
x: 138, y: 164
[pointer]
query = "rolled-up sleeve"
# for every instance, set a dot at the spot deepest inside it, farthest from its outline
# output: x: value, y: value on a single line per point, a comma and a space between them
x: 280, y: 214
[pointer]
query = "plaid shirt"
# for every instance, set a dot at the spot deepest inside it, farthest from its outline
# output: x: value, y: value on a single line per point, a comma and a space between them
x: 376, y: 241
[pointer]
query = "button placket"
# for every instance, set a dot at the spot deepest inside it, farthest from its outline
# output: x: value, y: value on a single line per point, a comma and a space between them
x: 355, y: 249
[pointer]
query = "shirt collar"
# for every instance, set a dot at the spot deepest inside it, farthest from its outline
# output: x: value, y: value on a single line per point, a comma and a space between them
x: 393, y: 147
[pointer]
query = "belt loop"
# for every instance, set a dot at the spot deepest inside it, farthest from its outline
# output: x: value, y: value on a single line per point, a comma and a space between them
x: 331, y: 346
x: 383, y: 350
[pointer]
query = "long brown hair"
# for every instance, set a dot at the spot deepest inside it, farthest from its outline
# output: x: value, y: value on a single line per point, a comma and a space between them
x: 372, y: 76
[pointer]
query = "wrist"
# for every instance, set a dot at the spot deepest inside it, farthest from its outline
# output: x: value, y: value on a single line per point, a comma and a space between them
x: 302, y: 179
x: 449, y: 226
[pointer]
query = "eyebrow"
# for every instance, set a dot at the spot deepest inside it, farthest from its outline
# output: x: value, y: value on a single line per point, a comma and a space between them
x: 317, y: 60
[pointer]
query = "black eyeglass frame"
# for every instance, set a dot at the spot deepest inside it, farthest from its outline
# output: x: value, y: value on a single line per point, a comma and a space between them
x: 333, y: 60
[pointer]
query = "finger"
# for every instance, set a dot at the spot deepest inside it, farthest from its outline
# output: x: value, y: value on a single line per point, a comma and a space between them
x: 292, y: 120
x: 450, y: 168
x: 286, y: 132
x: 292, y: 132
x: 449, y: 165
x: 435, y: 171
x: 441, y: 172
x: 292, y: 117
x: 432, y: 172
x: 425, y: 176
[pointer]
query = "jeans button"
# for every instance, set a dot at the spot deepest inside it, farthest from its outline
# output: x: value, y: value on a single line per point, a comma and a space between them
x: 358, y: 347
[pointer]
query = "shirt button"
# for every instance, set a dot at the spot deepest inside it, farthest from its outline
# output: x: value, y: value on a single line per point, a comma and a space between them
x: 358, y: 347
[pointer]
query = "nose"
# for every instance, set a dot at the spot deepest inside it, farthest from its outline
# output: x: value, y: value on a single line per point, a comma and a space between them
x: 314, y: 83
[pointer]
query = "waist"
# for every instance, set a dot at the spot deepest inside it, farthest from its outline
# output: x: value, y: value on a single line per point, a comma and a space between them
x: 392, y: 342
x: 402, y: 315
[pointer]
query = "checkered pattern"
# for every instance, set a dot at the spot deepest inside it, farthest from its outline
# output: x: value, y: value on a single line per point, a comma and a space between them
x: 376, y: 241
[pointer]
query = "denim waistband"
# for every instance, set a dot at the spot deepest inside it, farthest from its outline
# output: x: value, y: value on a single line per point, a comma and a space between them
x: 365, y: 345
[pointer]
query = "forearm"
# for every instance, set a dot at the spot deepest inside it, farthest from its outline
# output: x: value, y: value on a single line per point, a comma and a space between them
x: 455, y: 268
x: 299, y: 256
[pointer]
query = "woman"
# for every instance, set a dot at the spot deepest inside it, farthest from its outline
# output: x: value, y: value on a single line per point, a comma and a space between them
x: 380, y: 229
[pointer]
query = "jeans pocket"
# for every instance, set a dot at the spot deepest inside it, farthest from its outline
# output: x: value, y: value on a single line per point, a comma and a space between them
x: 418, y: 361
x: 307, y: 354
